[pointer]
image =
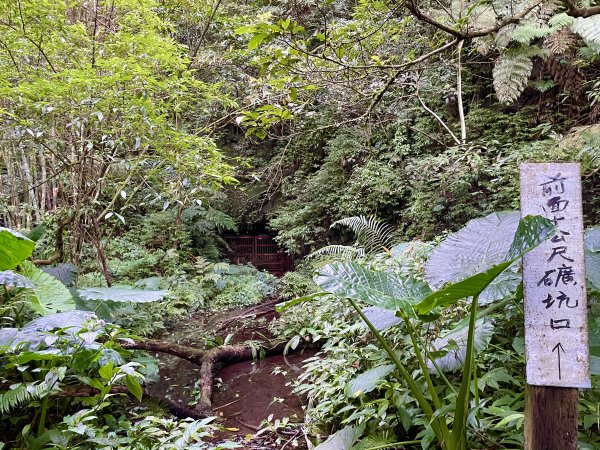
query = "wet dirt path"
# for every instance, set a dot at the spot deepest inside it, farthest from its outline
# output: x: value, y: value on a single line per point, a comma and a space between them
x: 244, y: 394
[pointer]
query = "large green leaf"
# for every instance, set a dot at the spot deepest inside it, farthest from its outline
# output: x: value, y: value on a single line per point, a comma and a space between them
x: 66, y: 273
x: 383, y: 289
x: 503, y: 285
x: 531, y: 232
x: 14, y: 248
x: 367, y: 381
x: 12, y: 279
x: 381, y: 318
x: 49, y: 295
x: 342, y: 440
x: 35, y: 332
x: 121, y: 294
x: 476, y: 248
x: 454, y: 344
x: 592, y: 256
x: 592, y: 239
x: 595, y: 365
x: 592, y: 268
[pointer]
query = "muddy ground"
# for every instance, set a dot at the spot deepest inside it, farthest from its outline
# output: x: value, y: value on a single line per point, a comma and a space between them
x: 246, y: 393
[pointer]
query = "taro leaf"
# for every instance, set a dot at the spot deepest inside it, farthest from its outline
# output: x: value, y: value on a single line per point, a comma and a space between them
x: 480, y: 245
x: 594, y: 335
x: 531, y: 232
x: 386, y: 290
x: 14, y: 248
x: 151, y: 283
x: 592, y: 269
x: 342, y: 440
x: 594, y: 365
x: 35, y: 332
x: 37, y: 232
x: 503, y: 285
x: 381, y: 318
x: 72, y: 320
x: 367, y: 381
x: 49, y: 295
x: 15, y: 280
x: 7, y: 336
x: 121, y: 294
x: 455, y: 344
x: 592, y: 239
x: 66, y: 273
x: 592, y: 256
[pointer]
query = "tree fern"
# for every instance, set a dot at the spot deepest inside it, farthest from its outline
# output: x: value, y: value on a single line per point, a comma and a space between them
x: 589, y: 29
x: 560, y: 41
x: 372, y: 234
x: 511, y: 73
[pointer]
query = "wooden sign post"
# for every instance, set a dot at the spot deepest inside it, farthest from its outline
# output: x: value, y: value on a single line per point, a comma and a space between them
x: 556, y: 332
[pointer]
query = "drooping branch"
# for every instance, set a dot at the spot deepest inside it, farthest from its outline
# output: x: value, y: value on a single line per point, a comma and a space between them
x: 461, y: 112
x: 393, y: 78
x: 59, y: 246
x: 574, y: 11
x: 414, y: 9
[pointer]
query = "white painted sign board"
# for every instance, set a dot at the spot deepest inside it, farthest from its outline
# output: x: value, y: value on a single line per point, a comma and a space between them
x: 556, y: 331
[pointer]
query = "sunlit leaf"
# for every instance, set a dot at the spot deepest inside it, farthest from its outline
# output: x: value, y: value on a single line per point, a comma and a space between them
x: 14, y: 248
x: 383, y: 289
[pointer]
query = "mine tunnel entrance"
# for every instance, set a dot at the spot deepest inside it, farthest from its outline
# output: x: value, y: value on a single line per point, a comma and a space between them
x: 261, y: 251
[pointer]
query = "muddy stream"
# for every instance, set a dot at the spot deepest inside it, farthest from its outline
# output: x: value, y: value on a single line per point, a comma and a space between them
x: 244, y: 393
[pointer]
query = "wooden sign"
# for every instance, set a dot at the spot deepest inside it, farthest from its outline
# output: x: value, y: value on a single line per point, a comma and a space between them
x: 556, y: 331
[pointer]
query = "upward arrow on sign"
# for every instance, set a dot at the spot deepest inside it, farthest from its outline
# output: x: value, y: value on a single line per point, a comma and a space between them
x: 559, y: 348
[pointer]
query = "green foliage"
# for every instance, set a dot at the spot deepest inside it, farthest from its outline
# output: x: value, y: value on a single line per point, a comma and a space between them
x: 357, y: 283
x: 511, y: 74
x: 14, y: 248
x: 245, y: 288
x: 121, y: 294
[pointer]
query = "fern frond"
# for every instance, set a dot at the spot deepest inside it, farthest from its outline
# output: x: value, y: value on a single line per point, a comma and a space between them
x: 587, y: 53
x: 511, y: 73
x: 371, y: 233
x: 561, y: 20
x: 525, y: 34
x: 589, y: 29
x: 17, y: 395
x: 590, y: 157
x: 559, y: 42
x: 343, y: 251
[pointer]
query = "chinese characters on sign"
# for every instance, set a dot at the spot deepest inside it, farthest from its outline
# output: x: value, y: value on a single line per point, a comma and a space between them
x: 556, y: 337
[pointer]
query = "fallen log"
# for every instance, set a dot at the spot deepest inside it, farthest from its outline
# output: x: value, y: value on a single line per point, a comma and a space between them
x: 207, y: 360
x: 153, y: 345
x: 227, y: 354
